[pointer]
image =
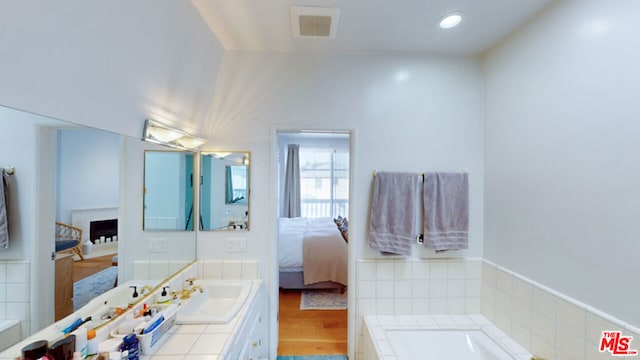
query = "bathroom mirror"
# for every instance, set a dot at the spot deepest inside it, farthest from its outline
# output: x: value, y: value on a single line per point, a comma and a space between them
x: 168, y: 190
x: 224, y: 192
x: 81, y: 182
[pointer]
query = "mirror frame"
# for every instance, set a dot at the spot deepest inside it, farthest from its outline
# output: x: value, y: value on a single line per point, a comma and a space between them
x: 247, y: 163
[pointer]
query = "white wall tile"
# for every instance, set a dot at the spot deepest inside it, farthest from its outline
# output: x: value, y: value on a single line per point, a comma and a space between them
x: 384, y: 270
x: 474, y: 270
x: 366, y: 270
x: 402, y: 306
x: 420, y: 288
x: 455, y: 288
x: 420, y: 306
x: 595, y: 325
x: 232, y: 269
x: 544, y: 303
x: 250, y: 269
x: 17, y: 311
x: 473, y: 305
x: 402, y: 289
x: 384, y: 289
x: 212, y: 269
x: 521, y: 313
x: 3, y: 273
x: 421, y: 270
x: 473, y: 288
x: 438, y: 305
x: 571, y: 317
x: 3, y: 293
x: 403, y: 270
x: 384, y: 306
x: 522, y: 291
x: 570, y: 343
x: 541, y: 348
x: 17, y: 272
x: 438, y: 289
x: 17, y: 292
x: 456, y: 270
x: 489, y: 274
x: 504, y: 281
x: 366, y: 307
x: 438, y: 270
x: 366, y: 289
x: 455, y: 306
x: 543, y: 327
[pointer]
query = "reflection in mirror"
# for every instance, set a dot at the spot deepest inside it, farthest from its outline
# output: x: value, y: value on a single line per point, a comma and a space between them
x: 168, y: 190
x: 224, y: 194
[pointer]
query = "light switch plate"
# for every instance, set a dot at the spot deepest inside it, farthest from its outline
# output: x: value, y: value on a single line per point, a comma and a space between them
x: 157, y: 245
x: 237, y: 245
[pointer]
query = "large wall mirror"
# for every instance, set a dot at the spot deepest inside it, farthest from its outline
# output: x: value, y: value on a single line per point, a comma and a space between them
x: 168, y: 190
x: 90, y: 175
x: 224, y: 192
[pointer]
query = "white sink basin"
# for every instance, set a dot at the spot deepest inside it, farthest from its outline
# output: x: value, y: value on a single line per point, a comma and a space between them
x: 217, y: 304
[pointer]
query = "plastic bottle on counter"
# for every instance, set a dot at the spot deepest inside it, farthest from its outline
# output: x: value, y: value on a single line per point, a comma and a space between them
x: 92, y: 342
x: 81, y: 340
x: 131, y: 344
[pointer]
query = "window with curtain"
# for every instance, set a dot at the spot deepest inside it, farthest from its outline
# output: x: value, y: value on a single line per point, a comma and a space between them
x: 324, y: 181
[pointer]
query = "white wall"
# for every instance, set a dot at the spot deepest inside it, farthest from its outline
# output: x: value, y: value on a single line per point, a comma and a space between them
x: 408, y: 113
x: 108, y: 64
x: 561, y: 154
x: 88, y: 171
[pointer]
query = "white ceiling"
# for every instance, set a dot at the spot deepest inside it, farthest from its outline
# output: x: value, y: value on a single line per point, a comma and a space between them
x: 370, y: 25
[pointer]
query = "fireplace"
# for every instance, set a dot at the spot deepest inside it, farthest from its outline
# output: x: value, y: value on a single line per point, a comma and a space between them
x: 104, y: 230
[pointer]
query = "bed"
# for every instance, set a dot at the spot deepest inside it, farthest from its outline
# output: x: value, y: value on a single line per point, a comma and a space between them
x: 312, y: 253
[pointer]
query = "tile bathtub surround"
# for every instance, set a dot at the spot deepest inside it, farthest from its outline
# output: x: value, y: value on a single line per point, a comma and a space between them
x: 402, y: 286
x: 377, y: 346
x: 229, y: 269
x: 15, y: 285
x: 548, y: 323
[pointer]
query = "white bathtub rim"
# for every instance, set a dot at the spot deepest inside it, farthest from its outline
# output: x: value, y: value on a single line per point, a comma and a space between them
x: 8, y: 324
x: 379, y: 325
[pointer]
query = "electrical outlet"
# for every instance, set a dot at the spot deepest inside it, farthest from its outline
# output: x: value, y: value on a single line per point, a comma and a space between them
x: 237, y: 245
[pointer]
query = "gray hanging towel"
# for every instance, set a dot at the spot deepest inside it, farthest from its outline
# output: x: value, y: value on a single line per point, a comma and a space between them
x: 4, y: 210
x: 393, y: 212
x: 446, y: 211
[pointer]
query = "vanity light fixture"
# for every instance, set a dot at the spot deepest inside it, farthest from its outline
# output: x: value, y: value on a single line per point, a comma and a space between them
x: 451, y: 20
x: 158, y: 133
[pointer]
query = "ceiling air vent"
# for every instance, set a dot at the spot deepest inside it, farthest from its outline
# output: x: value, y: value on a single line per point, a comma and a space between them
x: 313, y: 21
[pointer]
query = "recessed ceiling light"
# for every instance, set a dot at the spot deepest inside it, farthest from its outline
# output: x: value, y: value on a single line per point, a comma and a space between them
x: 450, y: 20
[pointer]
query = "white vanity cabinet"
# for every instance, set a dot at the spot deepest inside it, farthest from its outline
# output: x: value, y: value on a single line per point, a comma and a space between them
x: 251, y: 341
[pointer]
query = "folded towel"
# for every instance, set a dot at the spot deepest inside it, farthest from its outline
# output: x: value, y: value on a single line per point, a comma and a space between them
x: 4, y: 207
x: 446, y: 211
x: 393, y: 212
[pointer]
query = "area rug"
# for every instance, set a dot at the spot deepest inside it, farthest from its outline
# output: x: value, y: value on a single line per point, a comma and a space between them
x: 86, y: 289
x: 330, y: 299
x: 313, y: 357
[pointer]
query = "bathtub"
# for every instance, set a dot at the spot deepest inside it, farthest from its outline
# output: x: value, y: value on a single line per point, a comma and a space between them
x: 435, y: 337
x: 444, y: 344
x: 9, y: 333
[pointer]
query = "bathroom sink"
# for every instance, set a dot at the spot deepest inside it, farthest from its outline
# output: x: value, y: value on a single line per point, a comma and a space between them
x: 217, y: 304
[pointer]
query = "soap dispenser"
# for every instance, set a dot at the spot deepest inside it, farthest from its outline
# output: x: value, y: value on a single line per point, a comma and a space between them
x: 134, y: 296
x: 164, y: 297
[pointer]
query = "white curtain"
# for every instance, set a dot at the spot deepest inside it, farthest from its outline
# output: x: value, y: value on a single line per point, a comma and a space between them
x: 291, y: 201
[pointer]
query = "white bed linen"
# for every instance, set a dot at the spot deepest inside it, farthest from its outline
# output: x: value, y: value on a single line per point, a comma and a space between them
x: 290, y: 238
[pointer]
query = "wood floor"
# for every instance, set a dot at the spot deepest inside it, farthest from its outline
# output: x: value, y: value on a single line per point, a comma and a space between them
x: 87, y: 267
x: 310, y: 332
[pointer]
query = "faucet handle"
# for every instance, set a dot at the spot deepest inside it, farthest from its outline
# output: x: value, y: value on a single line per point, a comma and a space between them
x: 190, y: 280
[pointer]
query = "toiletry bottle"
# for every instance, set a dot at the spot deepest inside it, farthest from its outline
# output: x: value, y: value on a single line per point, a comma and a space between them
x: 35, y: 350
x: 64, y: 348
x: 81, y: 340
x: 92, y: 342
x: 131, y: 344
x: 164, y: 297
x: 134, y: 296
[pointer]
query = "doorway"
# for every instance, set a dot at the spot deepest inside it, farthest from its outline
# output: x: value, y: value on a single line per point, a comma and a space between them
x: 87, y: 196
x: 313, y: 181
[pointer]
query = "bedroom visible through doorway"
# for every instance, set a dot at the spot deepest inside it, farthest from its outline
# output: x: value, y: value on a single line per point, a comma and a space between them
x: 313, y: 217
